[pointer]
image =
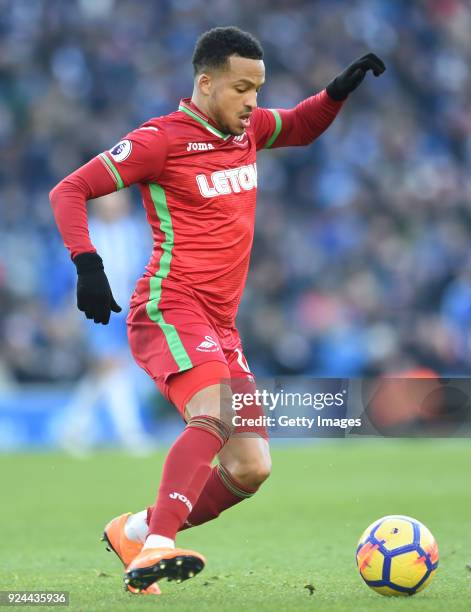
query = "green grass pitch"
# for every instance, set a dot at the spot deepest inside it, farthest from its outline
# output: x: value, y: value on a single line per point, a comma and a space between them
x: 300, y: 529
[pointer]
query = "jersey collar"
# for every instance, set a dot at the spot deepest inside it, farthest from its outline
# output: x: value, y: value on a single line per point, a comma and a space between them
x: 187, y: 107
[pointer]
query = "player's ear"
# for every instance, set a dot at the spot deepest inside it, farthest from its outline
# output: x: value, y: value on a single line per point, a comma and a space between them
x: 203, y: 83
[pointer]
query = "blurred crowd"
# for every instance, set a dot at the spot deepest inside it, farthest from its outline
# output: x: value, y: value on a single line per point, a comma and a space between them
x: 361, y: 261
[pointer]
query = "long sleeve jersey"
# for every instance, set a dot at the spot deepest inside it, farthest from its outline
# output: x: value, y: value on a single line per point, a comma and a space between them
x: 198, y: 188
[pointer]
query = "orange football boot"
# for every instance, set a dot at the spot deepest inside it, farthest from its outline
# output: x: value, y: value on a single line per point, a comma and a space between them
x: 125, y: 549
x: 154, y: 564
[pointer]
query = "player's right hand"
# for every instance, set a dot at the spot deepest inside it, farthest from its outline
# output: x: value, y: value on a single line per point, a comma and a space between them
x: 94, y: 296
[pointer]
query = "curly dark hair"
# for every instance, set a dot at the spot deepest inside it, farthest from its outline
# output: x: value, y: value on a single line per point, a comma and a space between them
x: 214, y: 47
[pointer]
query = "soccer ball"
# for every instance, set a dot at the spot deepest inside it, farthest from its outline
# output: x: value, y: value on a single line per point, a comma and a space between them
x: 397, y: 555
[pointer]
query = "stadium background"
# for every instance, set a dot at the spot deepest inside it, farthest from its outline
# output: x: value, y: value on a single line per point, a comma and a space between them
x: 361, y: 262
x: 360, y: 266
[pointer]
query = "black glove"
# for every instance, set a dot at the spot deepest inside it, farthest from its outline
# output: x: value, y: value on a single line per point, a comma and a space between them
x: 351, y: 77
x: 94, y: 296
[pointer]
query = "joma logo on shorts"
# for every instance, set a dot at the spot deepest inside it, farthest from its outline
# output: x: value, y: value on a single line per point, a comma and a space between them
x: 183, y: 499
x: 224, y: 182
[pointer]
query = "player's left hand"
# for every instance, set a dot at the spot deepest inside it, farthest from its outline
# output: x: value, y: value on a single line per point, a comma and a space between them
x: 353, y: 75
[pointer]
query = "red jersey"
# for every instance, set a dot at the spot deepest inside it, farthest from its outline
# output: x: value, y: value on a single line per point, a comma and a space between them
x: 199, y: 188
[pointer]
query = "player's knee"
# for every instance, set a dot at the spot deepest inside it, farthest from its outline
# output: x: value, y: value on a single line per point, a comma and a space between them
x: 214, y: 401
x: 254, y: 473
x: 261, y: 472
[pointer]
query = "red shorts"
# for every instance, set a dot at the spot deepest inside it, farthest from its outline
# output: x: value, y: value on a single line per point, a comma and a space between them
x: 181, y: 338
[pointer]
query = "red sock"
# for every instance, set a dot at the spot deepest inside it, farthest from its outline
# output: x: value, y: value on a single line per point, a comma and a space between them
x: 220, y: 492
x: 186, y: 470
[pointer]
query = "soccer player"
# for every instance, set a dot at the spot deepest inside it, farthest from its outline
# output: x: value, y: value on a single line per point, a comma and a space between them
x: 196, y: 169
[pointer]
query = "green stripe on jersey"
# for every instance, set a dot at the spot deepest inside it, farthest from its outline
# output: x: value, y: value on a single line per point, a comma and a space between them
x: 173, y: 339
x: 209, y: 127
x: 277, y: 130
x: 111, y: 166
